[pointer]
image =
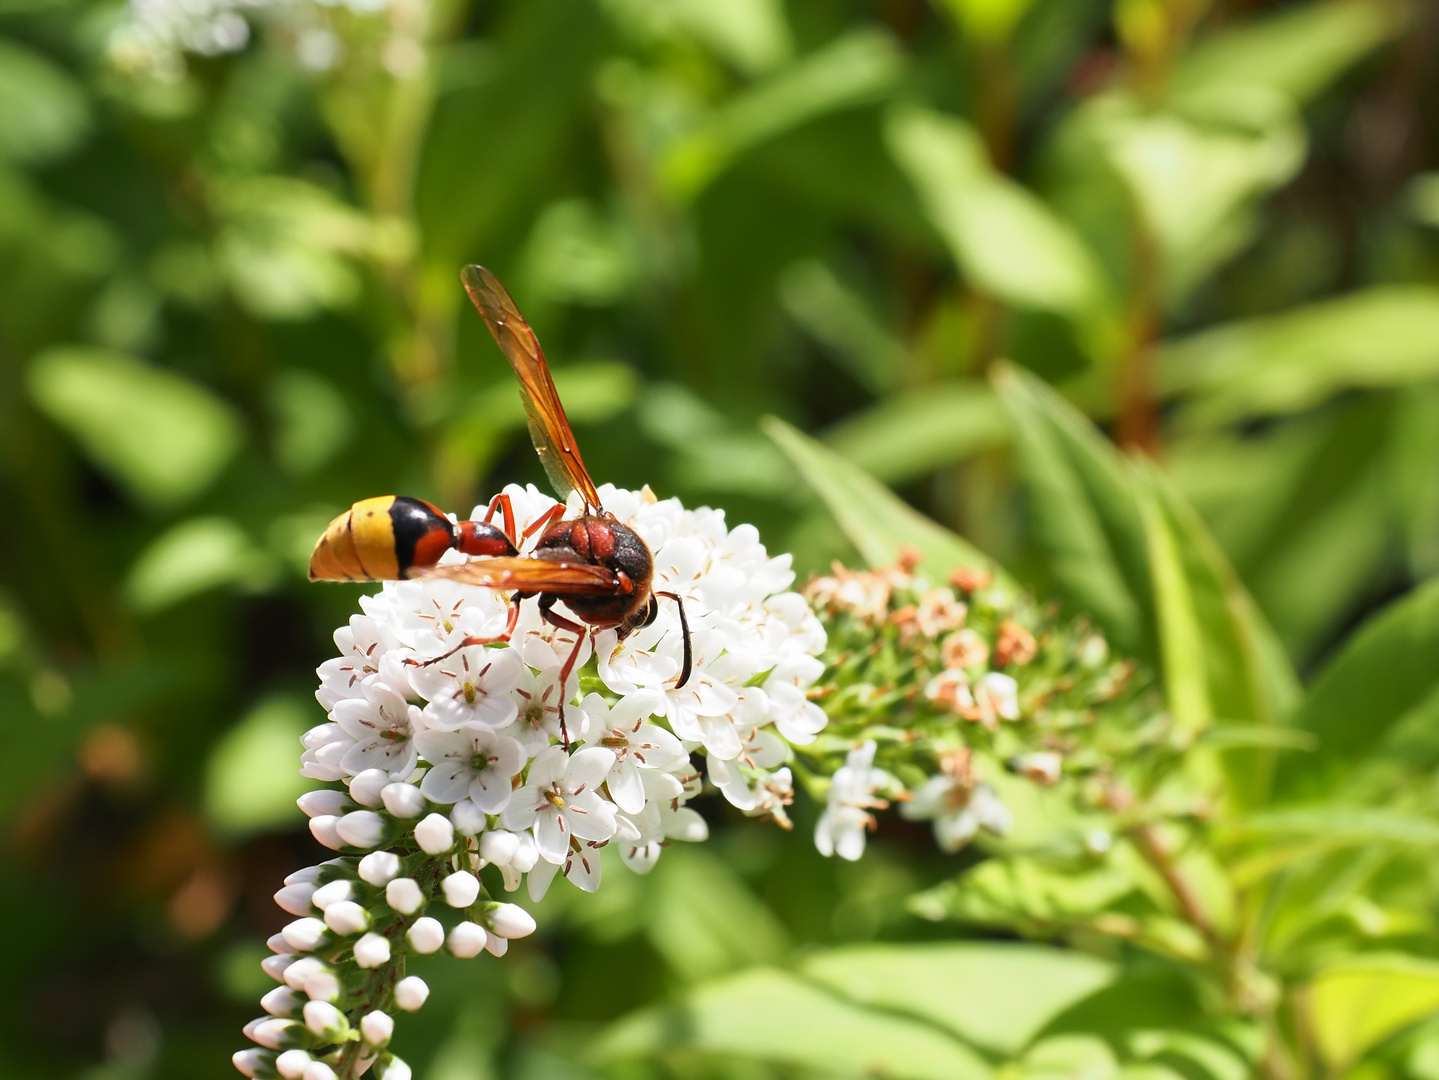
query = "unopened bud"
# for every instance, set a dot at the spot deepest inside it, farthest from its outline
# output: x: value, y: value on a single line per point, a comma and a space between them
x: 467, y: 939
x: 318, y: 1070
x: 361, y: 829
x: 467, y: 818
x: 403, y: 894
x: 281, y: 1001
x: 304, y: 935
x: 309, y: 873
x: 378, y: 867
x: 426, y: 935
x: 461, y: 889
x: 295, y: 899
x: 322, y: 985
x: 253, y: 1062
x: 323, y: 828
x: 365, y: 786
x: 499, y: 847
x: 509, y: 920
x: 276, y: 1034
x: 403, y: 800
x: 372, y: 950
x: 298, y: 973
x: 393, y: 1069
x: 274, y: 966
x: 435, y: 834
x: 496, y: 945
x: 377, y: 1027
x: 325, y: 1021
x: 345, y: 917
x: 410, y: 994
x: 324, y: 802
x: 277, y: 944
x: 328, y: 894
x: 291, y: 1064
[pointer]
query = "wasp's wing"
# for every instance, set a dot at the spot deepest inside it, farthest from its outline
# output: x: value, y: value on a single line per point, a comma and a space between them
x: 530, y: 575
x: 549, y: 428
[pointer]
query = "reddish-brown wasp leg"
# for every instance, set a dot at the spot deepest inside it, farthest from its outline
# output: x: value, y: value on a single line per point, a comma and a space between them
x: 507, y: 511
x: 504, y: 635
x: 685, y: 630
x: 562, y: 623
x: 544, y: 521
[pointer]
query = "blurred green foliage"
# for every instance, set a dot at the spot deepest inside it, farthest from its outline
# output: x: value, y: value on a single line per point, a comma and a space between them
x: 230, y: 307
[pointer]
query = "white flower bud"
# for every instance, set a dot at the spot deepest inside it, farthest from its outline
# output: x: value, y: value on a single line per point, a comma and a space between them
x: 377, y: 1027
x: 361, y: 829
x: 499, y: 847
x: 291, y: 1064
x: 300, y: 971
x: 323, y: 803
x: 325, y: 1021
x: 295, y: 898
x: 509, y: 921
x: 277, y: 944
x: 372, y: 950
x: 378, y: 867
x: 275, y: 1033
x: 323, y: 828
x: 426, y: 935
x: 251, y: 1062
x: 461, y: 889
x: 326, y: 895
x: 318, y: 1070
x: 403, y: 800
x: 410, y: 994
x: 274, y: 966
x: 527, y: 853
x: 467, y: 939
x: 345, y: 917
x: 496, y: 945
x: 303, y: 935
x: 309, y: 873
x: 365, y: 786
x: 395, y: 1069
x: 403, y: 894
x: 322, y: 985
x: 435, y: 834
x: 281, y: 1001
x: 467, y: 818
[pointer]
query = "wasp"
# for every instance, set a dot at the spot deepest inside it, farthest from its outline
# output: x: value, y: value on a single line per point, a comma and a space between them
x: 599, y: 567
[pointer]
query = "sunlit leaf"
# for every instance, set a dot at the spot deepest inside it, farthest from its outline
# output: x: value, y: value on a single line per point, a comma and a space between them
x: 166, y: 438
x: 878, y: 522
x: 193, y: 556
x: 751, y: 34
x: 771, y: 1016
x: 1359, y: 1002
x: 988, y: 20
x: 575, y: 255
x: 913, y: 433
x: 43, y: 113
x: 1005, y: 240
x: 996, y: 996
x: 1384, y: 671
x: 1385, y: 336
x: 251, y: 781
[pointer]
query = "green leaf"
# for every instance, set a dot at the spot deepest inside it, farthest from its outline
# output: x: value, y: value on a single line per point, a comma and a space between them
x: 855, y: 69
x: 1084, y: 508
x: 1385, y: 671
x: 922, y: 430
x: 1359, y: 1002
x: 163, y: 436
x: 840, y: 318
x: 1387, y: 336
x: 1027, y: 894
x: 1343, y: 826
x: 251, y: 778
x: 43, y: 113
x: 771, y: 1016
x: 191, y: 557
x: 1296, y: 53
x: 996, y: 996
x: 750, y: 34
x: 878, y: 522
x: 312, y: 420
x: 1004, y: 239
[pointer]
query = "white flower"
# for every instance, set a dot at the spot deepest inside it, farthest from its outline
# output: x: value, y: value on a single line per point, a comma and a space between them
x: 997, y: 696
x: 635, y: 744
x: 957, y: 810
x: 362, y: 644
x: 469, y: 688
x: 559, y: 800
x: 541, y: 702
x: 473, y: 762
x: 382, y: 725
x: 841, y: 828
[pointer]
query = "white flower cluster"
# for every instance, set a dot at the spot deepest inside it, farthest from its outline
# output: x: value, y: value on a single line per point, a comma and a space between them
x: 483, y: 757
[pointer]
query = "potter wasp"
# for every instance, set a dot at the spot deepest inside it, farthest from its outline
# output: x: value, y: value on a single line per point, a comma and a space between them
x: 597, y: 565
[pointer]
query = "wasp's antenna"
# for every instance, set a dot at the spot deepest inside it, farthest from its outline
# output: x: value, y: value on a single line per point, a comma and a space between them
x: 685, y: 630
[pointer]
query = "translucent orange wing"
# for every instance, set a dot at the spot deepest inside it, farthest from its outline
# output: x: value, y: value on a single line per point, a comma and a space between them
x: 530, y: 575
x: 549, y: 428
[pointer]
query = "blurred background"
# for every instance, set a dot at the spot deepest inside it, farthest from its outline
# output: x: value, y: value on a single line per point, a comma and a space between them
x: 230, y: 236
